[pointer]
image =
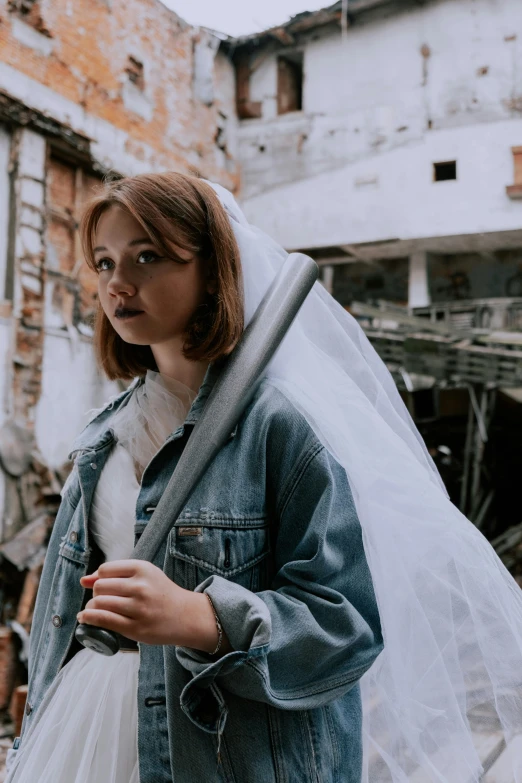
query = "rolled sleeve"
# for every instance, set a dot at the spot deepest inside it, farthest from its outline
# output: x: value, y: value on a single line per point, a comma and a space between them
x: 312, y: 636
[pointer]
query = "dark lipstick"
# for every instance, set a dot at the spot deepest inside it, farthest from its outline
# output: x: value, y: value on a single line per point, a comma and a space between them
x: 126, y: 312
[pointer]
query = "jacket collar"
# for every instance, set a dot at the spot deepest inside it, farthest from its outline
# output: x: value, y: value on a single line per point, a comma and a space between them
x: 98, y: 432
x: 206, y: 387
x: 212, y: 374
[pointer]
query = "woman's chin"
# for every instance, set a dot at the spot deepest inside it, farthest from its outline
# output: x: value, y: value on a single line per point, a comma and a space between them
x: 133, y: 336
x: 132, y: 331
x: 136, y: 331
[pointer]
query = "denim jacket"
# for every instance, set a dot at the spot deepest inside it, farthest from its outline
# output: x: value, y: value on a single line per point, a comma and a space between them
x: 272, y: 535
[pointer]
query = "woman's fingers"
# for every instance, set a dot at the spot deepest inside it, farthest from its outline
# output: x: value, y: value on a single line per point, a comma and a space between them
x: 88, y: 581
x: 118, y: 568
x: 125, y: 587
x: 111, y: 603
x: 115, y: 569
x: 109, y: 620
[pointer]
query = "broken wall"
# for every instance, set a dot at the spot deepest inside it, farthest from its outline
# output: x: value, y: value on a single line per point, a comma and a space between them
x: 410, y: 85
x: 122, y: 73
x: 86, y: 89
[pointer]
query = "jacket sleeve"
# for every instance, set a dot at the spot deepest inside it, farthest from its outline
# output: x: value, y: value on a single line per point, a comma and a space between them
x: 310, y: 638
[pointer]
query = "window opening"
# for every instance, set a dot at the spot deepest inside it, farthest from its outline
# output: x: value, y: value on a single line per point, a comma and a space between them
x: 445, y: 171
x: 246, y: 108
x: 290, y: 83
x: 135, y: 73
x: 30, y: 12
x: 24, y: 7
x: 514, y: 191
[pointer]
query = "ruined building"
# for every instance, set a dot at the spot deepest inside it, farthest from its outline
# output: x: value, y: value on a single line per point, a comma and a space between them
x: 388, y: 143
x: 382, y: 137
x: 86, y: 89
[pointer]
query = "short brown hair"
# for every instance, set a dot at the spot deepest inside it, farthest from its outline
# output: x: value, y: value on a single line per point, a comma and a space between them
x: 185, y: 210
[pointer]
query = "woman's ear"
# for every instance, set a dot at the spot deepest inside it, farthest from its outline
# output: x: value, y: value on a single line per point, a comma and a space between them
x: 211, y: 285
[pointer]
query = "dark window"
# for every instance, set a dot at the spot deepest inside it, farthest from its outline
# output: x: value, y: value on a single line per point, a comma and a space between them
x: 424, y: 403
x: 30, y: 12
x: 462, y: 276
x: 444, y: 171
x: 246, y: 109
x: 290, y: 83
x: 515, y: 190
x: 24, y: 7
x: 135, y: 72
x: 362, y: 282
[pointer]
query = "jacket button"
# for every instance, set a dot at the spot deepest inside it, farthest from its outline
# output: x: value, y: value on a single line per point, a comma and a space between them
x: 57, y: 621
x: 28, y: 708
x: 94, y: 465
x: 73, y: 537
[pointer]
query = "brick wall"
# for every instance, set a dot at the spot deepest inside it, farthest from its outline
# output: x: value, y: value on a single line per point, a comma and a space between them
x: 124, y: 70
x: 87, y: 87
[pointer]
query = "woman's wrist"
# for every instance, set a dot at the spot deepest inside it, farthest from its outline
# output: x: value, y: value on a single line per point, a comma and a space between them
x: 201, y: 628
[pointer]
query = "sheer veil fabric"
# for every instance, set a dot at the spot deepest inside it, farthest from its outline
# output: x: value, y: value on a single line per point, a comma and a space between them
x: 451, y: 669
x: 156, y: 409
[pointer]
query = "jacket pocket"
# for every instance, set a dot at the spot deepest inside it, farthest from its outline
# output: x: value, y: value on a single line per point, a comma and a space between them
x: 236, y: 549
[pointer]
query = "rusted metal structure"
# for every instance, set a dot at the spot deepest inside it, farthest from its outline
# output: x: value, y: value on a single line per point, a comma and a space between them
x: 447, y: 348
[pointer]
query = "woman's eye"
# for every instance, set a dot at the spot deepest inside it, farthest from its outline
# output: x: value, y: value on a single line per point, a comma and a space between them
x: 103, y: 264
x: 147, y: 256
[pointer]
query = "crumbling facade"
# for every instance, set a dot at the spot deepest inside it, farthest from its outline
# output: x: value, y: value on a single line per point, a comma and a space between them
x: 384, y: 138
x: 387, y: 142
x: 86, y: 90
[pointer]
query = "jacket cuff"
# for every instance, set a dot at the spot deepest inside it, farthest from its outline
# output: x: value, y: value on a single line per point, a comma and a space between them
x: 247, y: 623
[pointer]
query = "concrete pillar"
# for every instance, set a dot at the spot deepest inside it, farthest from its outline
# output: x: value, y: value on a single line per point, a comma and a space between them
x: 418, y: 284
x: 327, y: 277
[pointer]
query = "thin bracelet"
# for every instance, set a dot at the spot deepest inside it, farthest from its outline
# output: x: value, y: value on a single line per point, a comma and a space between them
x: 219, y: 627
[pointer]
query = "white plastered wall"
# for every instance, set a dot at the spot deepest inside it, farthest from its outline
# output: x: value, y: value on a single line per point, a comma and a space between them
x: 440, y: 81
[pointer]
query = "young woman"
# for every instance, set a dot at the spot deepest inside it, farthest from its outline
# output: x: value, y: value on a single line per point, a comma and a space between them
x: 259, y: 622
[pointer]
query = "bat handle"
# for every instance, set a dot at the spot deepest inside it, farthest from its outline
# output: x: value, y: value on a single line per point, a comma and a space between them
x: 98, y: 639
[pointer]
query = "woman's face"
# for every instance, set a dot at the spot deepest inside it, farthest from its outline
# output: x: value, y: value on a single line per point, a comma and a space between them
x: 148, y: 297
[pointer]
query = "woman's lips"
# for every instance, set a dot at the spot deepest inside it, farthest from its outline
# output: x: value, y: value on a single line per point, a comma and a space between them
x: 123, y: 314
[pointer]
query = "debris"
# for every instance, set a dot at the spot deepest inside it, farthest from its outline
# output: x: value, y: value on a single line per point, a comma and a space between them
x: 508, y: 547
x: 16, y: 445
x: 436, y: 352
x: 17, y: 707
x: 27, y: 548
x: 7, y: 666
x: 22, y: 634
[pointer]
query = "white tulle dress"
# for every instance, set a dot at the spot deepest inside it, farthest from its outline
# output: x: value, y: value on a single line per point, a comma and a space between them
x: 85, y: 730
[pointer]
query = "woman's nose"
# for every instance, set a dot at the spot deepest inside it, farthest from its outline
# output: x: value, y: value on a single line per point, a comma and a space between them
x: 120, y: 284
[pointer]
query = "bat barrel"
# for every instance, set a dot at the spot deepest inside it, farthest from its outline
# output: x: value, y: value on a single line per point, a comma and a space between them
x: 231, y: 394
x: 229, y: 398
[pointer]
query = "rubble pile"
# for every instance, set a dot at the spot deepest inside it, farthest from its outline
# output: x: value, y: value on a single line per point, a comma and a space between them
x: 458, y: 366
x: 32, y: 498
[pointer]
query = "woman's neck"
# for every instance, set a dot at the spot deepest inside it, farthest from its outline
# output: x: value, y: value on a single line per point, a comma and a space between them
x: 172, y: 363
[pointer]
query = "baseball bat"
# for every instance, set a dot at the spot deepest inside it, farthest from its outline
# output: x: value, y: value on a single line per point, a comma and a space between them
x: 232, y: 391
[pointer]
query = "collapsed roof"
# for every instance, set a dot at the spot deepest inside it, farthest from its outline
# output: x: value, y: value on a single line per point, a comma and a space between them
x: 286, y: 33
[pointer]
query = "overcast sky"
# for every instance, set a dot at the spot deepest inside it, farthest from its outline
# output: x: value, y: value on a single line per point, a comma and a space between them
x: 240, y: 17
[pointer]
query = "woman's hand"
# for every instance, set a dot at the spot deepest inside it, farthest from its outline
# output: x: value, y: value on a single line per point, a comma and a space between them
x: 136, y: 599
